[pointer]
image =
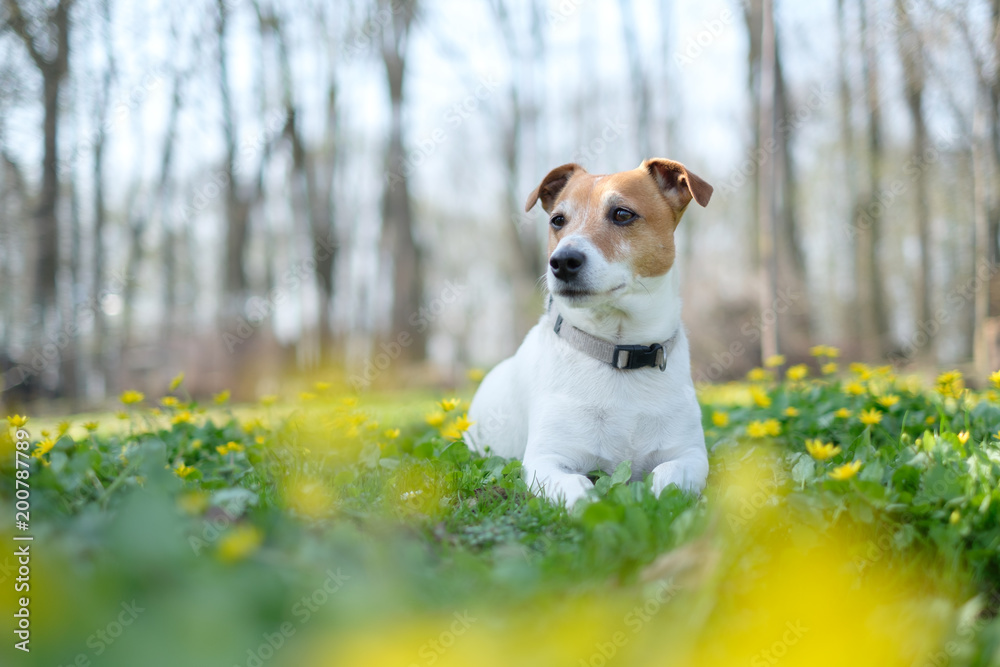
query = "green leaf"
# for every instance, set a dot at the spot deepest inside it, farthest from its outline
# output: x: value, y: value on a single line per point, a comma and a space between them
x: 804, y: 470
x: 622, y: 474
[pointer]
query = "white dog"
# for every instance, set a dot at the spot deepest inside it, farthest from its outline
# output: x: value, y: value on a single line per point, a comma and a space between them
x: 605, y: 376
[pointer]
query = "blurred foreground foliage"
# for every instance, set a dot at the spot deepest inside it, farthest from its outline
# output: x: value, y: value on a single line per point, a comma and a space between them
x: 849, y: 519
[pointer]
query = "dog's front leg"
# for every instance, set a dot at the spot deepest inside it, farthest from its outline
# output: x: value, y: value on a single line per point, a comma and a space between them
x: 689, y: 473
x: 550, y: 475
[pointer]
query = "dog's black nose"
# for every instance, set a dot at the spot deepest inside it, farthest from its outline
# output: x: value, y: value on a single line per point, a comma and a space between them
x: 566, y: 263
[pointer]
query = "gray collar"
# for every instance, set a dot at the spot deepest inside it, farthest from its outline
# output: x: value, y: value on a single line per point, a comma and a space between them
x: 622, y: 357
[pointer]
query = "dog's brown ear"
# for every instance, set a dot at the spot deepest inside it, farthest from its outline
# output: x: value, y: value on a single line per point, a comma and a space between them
x: 552, y: 185
x: 677, y: 183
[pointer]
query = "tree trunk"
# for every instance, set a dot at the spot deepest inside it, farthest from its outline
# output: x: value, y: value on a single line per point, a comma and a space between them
x: 399, y: 250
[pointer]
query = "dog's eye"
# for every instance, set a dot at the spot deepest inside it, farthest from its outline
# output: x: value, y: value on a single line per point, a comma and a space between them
x: 622, y: 216
x: 557, y: 221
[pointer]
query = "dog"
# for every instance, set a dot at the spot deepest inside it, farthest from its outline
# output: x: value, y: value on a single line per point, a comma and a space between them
x: 605, y: 375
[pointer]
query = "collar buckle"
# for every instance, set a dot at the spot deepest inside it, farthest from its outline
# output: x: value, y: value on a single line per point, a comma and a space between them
x: 640, y: 356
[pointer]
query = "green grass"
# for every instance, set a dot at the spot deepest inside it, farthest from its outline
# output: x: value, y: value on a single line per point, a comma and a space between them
x: 322, y: 536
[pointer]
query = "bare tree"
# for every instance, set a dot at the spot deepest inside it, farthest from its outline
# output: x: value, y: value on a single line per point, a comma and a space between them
x: 398, y: 245
x: 48, y: 44
x: 911, y: 53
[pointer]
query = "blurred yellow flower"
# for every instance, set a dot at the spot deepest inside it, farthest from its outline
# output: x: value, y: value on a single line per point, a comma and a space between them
x: 391, y: 433
x: 321, y: 386
x: 457, y: 427
x: 239, y: 543
x: 183, y: 471
x: 955, y: 517
x: 846, y: 471
x: 824, y: 351
x: 43, y: 448
x: 888, y: 400
x: 62, y: 428
x: 950, y: 384
x: 16, y: 421
x: 797, y: 372
x: 842, y: 413
x: 183, y: 417
x: 270, y: 399
x: 170, y: 401
x: 860, y: 370
x: 450, y: 404
x: 870, y: 417
x: 259, y: 440
x: 121, y: 414
x: 435, y: 418
x: 131, y: 397
x: 762, y: 429
x: 930, y: 419
x: 963, y: 437
x: 221, y: 397
x: 349, y: 401
x: 758, y: 375
x: 720, y: 419
x: 774, y: 360
x: 791, y: 411
x: 995, y: 379
x: 307, y: 395
x: 760, y: 397
x: 193, y: 502
x: 828, y: 368
x: 476, y: 374
x: 196, y: 443
x: 91, y: 426
x: 854, y: 389
x: 821, y: 451
x: 176, y: 382
x: 230, y: 446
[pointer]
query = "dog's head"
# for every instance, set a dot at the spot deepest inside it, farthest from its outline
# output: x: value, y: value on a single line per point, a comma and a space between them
x: 608, y: 233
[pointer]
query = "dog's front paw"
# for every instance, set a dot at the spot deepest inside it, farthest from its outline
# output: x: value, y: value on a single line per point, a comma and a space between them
x: 688, y: 476
x: 568, y: 489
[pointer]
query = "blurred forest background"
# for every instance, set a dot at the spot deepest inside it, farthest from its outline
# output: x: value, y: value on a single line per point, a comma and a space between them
x: 246, y: 189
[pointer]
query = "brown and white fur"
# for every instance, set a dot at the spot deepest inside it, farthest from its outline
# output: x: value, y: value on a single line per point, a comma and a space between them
x: 611, y: 274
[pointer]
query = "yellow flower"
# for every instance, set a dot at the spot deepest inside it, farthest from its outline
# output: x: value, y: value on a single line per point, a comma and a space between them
x: 239, y: 543
x: 950, y: 384
x: 176, y: 382
x: 194, y: 502
x: 854, y: 389
x: 760, y: 397
x: 229, y: 447
x: 170, y: 401
x: 270, y: 399
x: 221, y: 397
x: 842, y: 413
x: 183, y: 471
x: 828, y: 368
x: 797, y: 372
x: 196, y: 443
x: 774, y: 360
x: 995, y: 379
x: 43, y: 448
x: 91, y: 426
x: 846, y: 471
x: 321, y: 386
x: 955, y: 517
x: 121, y: 414
x: 391, y: 433
x: 791, y: 411
x: 720, y: 419
x: 131, y: 397
x: 762, y: 429
x: 963, y: 437
x: 183, y: 417
x: 457, y: 428
x: 861, y: 370
x: 824, y: 351
x: 476, y: 374
x: 821, y: 451
x: 870, y: 417
x: 435, y: 418
x: 758, y: 375
x: 450, y: 404
x: 888, y: 400
x: 307, y: 395
x: 17, y: 421
x: 349, y: 401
